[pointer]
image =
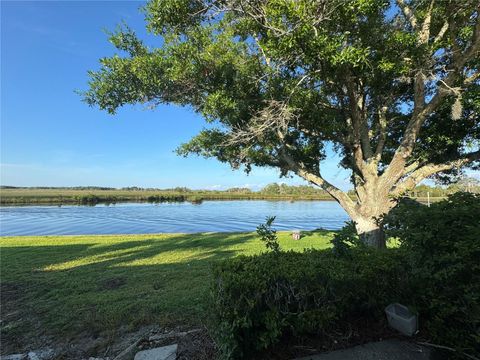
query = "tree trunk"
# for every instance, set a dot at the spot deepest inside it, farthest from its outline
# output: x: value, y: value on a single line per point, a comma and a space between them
x: 370, y: 232
x: 373, y: 202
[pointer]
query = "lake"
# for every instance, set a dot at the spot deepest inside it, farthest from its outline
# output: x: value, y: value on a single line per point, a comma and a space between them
x: 139, y: 218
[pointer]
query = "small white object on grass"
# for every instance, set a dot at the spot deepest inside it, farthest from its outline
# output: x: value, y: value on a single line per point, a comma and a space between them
x: 296, y: 235
x: 401, y: 319
x: 162, y: 353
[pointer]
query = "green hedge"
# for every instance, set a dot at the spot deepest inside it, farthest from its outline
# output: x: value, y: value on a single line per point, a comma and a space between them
x: 435, y: 271
x: 258, y: 299
x: 442, y: 250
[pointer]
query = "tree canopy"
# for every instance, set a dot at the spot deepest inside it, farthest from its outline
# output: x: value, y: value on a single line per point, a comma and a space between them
x: 393, y: 86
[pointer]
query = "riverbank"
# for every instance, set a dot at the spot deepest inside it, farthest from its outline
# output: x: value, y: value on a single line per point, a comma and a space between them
x: 57, y: 287
x: 71, y: 196
x: 53, y: 196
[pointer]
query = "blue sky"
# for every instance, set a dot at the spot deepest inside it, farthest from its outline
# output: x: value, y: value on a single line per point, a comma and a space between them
x: 49, y: 137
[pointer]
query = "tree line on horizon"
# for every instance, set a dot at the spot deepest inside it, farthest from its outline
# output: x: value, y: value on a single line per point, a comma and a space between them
x: 466, y: 184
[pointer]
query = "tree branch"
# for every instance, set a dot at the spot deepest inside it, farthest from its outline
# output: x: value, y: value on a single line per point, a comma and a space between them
x: 408, y: 13
x: 469, y: 80
x: 361, y: 141
x: 425, y: 31
x: 257, y: 41
x: 382, y: 133
x: 412, y: 167
x: 425, y: 171
x: 441, y: 33
x: 317, y: 179
x: 396, y: 167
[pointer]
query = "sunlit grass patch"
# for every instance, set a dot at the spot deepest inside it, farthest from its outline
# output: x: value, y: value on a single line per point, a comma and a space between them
x: 94, y: 259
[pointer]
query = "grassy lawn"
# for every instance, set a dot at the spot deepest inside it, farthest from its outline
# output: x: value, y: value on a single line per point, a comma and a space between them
x: 71, y: 284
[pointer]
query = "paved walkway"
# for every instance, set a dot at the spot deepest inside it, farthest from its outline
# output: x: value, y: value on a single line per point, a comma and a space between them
x: 382, y: 350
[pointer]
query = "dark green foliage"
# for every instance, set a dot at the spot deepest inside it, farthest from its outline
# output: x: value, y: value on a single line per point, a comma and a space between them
x: 166, y: 198
x: 89, y: 199
x: 345, y: 239
x: 258, y: 299
x: 284, y: 189
x: 442, y: 247
x: 269, y: 235
x: 436, y: 272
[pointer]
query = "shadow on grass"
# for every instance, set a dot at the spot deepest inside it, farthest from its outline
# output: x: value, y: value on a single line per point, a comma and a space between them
x: 100, y: 286
x: 93, y: 287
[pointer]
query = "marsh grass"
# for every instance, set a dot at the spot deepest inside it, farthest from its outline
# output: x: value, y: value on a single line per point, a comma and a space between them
x: 25, y: 196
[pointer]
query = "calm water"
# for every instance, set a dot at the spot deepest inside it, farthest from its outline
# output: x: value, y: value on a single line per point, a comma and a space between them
x: 134, y: 218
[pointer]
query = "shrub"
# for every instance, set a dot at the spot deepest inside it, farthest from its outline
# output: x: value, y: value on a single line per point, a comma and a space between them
x: 345, y: 239
x: 269, y: 235
x: 258, y: 299
x: 442, y: 248
x: 436, y: 271
x: 89, y: 199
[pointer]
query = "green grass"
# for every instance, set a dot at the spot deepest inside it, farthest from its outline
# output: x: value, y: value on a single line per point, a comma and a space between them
x: 71, y: 284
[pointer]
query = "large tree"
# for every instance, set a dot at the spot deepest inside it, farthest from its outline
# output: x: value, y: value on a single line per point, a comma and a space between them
x: 394, y: 86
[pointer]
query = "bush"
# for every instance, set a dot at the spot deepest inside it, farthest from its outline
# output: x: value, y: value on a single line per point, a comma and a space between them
x: 345, y: 239
x: 436, y: 271
x: 269, y: 235
x: 258, y: 299
x: 89, y: 199
x: 442, y: 248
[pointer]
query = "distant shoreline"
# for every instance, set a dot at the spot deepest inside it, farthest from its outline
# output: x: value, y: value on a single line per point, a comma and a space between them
x: 32, y: 196
x: 64, y: 196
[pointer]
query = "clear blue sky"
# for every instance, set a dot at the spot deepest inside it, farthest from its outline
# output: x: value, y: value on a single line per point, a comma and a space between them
x: 50, y: 138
